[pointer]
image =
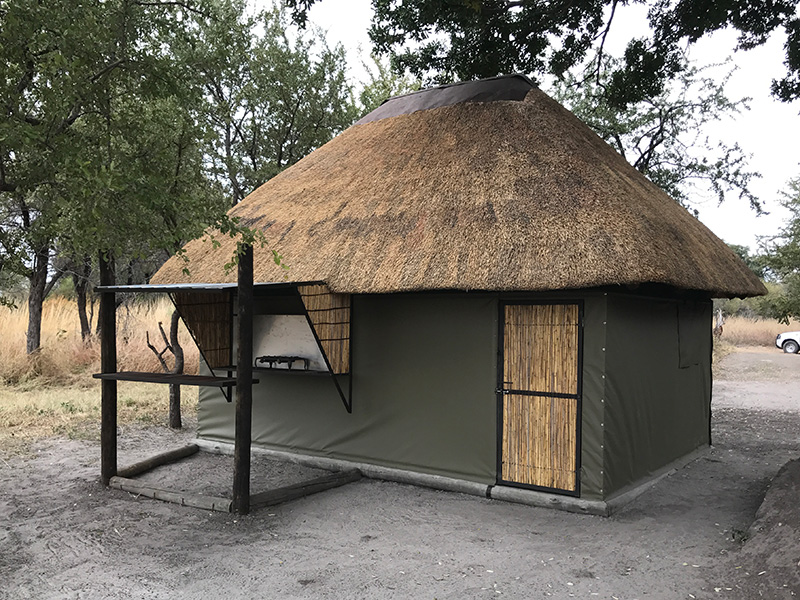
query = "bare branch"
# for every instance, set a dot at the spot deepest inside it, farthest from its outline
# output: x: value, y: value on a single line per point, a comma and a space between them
x: 183, y: 5
x: 164, y: 337
x: 159, y: 355
x: 599, y: 67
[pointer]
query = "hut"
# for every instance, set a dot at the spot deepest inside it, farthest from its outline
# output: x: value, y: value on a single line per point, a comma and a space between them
x: 482, y: 295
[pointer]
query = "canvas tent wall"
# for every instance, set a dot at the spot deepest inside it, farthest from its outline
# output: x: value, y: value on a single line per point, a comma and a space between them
x: 425, y: 377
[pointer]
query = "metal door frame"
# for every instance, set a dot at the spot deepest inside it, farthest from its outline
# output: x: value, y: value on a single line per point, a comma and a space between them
x: 501, y: 324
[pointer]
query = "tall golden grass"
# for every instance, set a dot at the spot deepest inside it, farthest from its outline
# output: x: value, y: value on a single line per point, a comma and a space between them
x: 53, y: 392
x: 740, y: 331
x: 65, y: 359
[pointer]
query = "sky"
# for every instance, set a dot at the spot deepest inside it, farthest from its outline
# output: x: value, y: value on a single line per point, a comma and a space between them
x: 769, y: 131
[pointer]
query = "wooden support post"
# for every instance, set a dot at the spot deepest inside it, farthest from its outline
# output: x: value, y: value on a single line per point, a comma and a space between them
x: 108, y: 364
x: 244, y: 386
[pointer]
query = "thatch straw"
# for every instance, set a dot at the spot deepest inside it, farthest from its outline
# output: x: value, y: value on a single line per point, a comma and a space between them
x: 493, y: 196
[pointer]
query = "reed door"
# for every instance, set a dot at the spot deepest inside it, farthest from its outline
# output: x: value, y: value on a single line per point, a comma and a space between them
x: 540, y: 396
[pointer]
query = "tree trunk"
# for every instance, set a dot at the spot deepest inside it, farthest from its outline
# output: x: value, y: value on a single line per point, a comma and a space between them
x: 38, y: 285
x: 91, y: 310
x: 175, y: 406
x: 98, y: 326
x: 175, y: 390
x: 81, y: 284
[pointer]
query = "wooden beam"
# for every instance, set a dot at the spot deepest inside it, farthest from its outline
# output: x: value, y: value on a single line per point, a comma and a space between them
x: 244, y: 385
x: 306, y: 488
x: 182, y: 498
x: 158, y: 460
x: 108, y: 364
x: 170, y: 378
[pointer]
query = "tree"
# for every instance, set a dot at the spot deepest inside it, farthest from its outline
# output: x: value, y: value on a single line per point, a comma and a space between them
x: 269, y: 99
x: 100, y: 149
x: 663, y: 135
x: 113, y: 112
x: 466, y: 39
x: 760, y: 307
x: 384, y: 83
x: 171, y: 343
x: 782, y: 258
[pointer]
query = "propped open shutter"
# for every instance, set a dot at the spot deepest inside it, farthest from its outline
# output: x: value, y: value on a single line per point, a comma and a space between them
x: 329, y: 316
x: 208, y: 317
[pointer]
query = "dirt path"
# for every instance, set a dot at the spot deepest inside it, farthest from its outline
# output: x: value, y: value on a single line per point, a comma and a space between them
x: 62, y: 535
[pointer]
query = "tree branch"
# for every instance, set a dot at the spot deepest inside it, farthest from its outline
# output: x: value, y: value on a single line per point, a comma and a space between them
x: 177, y: 350
x: 599, y: 67
x: 53, y: 281
x: 159, y: 355
x: 164, y: 337
x: 183, y: 5
x: 108, y: 68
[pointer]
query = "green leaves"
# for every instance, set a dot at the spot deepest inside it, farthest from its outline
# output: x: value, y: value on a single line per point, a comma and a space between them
x: 782, y: 259
x: 663, y: 135
x: 272, y: 96
x: 468, y: 39
x: 105, y: 144
x: 384, y: 82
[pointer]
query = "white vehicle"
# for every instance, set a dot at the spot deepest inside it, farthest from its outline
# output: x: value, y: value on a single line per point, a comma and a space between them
x: 789, y: 341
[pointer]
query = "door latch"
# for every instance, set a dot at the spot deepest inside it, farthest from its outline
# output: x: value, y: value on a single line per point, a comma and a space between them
x: 503, y: 390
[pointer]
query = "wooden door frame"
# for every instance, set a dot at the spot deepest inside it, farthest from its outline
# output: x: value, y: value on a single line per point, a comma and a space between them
x: 501, y: 323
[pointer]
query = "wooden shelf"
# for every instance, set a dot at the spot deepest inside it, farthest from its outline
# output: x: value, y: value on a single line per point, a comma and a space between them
x: 171, y: 378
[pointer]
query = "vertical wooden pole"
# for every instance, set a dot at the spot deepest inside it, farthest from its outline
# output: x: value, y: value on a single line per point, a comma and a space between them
x: 244, y: 386
x: 108, y: 364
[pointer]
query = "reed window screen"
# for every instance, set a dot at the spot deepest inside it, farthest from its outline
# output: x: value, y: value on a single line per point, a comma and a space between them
x: 208, y: 317
x: 329, y: 315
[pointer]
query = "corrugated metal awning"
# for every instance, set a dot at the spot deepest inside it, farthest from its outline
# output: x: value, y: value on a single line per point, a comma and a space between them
x: 168, y: 288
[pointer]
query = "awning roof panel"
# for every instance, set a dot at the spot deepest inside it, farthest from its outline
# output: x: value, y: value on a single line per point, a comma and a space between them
x: 167, y: 288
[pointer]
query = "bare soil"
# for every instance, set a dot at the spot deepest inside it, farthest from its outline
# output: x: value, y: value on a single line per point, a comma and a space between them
x: 695, y: 534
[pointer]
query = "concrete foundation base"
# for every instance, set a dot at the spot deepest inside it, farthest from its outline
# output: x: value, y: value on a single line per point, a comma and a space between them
x: 603, y: 508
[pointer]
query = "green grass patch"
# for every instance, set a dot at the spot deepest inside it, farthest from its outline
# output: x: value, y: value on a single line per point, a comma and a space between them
x: 29, y: 412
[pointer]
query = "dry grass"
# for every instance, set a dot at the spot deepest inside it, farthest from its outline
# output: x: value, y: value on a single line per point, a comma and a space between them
x: 53, y: 393
x: 29, y: 411
x: 739, y: 331
x: 65, y: 359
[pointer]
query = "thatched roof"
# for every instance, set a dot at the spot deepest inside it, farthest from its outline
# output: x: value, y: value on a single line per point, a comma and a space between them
x: 497, y: 195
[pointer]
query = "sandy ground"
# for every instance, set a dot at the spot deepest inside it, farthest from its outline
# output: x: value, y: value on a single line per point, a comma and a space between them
x: 62, y: 535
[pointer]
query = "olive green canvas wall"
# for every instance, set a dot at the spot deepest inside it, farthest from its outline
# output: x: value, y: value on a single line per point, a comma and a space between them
x: 423, y: 391
x: 658, y: 385
x: 425, y: 375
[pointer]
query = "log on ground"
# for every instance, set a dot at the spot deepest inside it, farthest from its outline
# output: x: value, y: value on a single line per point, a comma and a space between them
x: 306, y: 488
x: 158, y: 460
x: 176, y: 497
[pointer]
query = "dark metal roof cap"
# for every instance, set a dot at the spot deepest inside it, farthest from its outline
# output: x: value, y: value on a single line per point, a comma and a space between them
x: 504, y: 87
